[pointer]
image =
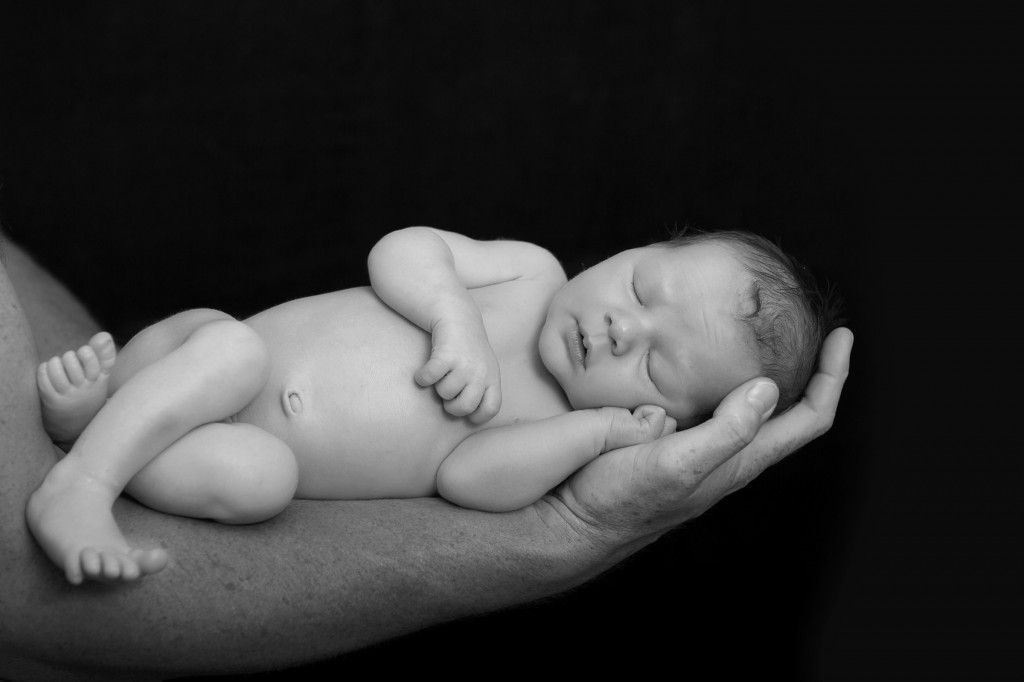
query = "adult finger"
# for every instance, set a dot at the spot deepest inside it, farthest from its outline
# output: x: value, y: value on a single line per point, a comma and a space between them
x: 654, y: 485
x: 695, y: 453
x: 806, y: 420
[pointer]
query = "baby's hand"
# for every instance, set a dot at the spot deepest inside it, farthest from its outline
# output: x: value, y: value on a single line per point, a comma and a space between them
x: 644, y: 424
x: 464, y: 371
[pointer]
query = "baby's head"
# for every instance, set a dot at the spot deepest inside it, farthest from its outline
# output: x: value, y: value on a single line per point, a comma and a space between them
x: 681, y: 323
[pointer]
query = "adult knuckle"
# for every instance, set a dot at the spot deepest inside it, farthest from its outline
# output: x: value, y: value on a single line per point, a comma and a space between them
x: 822, y: 424
x: 681, y: 468
x: 738, y: 430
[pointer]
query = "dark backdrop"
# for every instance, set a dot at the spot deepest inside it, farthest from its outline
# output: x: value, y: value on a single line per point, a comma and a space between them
x: 234, y: 155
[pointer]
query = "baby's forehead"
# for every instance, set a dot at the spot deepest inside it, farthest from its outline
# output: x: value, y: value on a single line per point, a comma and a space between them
x: 719, y: 266
x: 711, y: 253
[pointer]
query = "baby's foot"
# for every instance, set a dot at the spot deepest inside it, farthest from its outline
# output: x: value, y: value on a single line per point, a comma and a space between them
x: 73, y: 387
x: 70, y: 516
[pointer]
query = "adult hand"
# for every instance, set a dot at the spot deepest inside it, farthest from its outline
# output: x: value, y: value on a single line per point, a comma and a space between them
x: 633, y: 495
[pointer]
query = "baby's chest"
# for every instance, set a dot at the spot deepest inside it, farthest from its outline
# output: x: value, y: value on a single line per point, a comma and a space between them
x: 513, y: 316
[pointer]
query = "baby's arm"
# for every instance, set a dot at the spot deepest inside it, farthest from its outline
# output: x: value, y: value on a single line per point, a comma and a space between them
x: 510, y: 467
x: 425, y: 275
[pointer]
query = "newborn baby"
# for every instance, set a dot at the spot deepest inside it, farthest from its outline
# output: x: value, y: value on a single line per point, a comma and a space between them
x: 471, y: 369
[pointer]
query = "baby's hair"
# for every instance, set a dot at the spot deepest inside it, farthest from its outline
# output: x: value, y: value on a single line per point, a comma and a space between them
x: 792, y: 313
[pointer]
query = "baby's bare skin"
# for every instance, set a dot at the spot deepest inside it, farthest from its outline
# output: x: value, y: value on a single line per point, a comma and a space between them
x: 74, y: 386
x: 341, y: 391
x: 333, y: 396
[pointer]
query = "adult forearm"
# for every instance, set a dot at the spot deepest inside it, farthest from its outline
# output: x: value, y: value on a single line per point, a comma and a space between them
x: 322, y: 579
x: 57, y: 320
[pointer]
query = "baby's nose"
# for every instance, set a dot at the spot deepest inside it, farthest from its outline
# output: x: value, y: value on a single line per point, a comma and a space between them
x: 624, y: 330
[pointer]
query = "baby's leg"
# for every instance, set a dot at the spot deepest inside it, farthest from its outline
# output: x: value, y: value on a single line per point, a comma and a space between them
x: 158, y: 340
x: 232, y: 473
x: 216, y: 371
x: 73, y: 388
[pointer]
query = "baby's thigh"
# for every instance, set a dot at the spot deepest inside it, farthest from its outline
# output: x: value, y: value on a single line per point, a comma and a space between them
x: 232, y: 473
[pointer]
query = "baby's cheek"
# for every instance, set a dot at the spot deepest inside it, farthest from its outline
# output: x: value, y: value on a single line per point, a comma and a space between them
x: 577, y: 393
x: 584, y: 395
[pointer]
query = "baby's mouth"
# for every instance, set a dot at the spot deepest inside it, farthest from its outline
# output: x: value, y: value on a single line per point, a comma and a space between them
x: 579, y: 346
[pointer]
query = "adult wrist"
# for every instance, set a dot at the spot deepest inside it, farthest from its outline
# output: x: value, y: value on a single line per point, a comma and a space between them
x: 577, y: 549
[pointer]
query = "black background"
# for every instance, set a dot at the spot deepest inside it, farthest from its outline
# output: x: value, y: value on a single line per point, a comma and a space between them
x: 163, y: 156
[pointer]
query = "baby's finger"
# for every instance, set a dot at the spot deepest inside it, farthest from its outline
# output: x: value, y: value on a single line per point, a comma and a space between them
x: 431, y: 372
x: 450, y: 386
x: 465, y: 403
x: 669, y: 427
x: 648, y: 412
x: 652, y: 419
x: 489, y: 406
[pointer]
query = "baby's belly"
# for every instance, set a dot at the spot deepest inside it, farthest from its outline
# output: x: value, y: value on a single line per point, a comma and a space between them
x: 341, y: 393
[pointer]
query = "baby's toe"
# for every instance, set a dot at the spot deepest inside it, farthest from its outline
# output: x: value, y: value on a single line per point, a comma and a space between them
x: 150, y: 560
x: 90, y: 363
x: 113, y: 565
x: 129, y: 569
x: 106, y: 351
x: 73, y: 368
x: 58, y: 377
x: 43, y: 378
x: 91, y: 564
x: 73, y: 570
x: 118, y: 566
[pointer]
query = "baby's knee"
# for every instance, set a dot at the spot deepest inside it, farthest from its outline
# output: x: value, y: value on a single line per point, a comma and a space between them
x: 260, y: 484
x: 235, y: 349
x: 157, y: 341
x: 237, y: 341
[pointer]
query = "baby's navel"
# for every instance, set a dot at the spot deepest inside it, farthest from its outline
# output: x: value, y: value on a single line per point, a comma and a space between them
x: 291, y: 400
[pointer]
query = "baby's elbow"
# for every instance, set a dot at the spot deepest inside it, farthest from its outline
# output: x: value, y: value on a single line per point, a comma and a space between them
x: 470, y: 488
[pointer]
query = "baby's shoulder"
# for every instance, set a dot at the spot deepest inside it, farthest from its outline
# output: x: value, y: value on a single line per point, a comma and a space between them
x: 531, y: 291
x: 546, y: 268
